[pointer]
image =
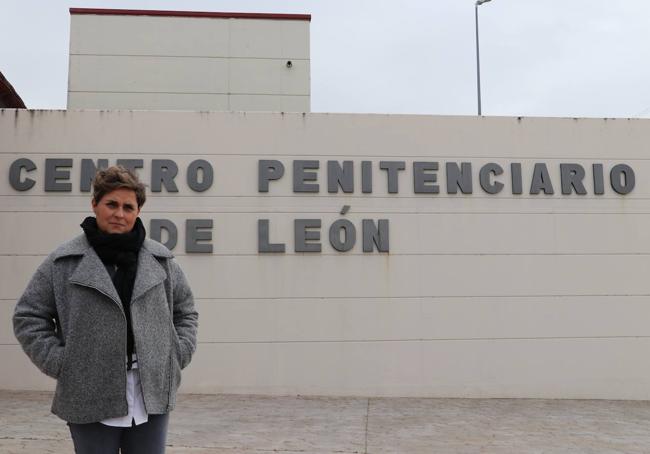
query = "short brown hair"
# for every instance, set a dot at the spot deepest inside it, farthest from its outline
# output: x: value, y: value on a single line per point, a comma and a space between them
x: 117, y: 177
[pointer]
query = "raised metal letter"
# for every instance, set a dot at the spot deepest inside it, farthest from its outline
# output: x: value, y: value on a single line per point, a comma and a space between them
x: 267, y: 170
x: 53, y: 174
x: 392, y: 167
x: 366, y: 177
x: 625, y: 171
x: 302, y: 235
x: 163, y: 172
x: 131, y: 164
x: 571, y: 175
x: 14, y: 174
x: 541, y: 180
x: 263, y: 242
x: 459, y: 177
x: 338, y: 175
x: 484, y: 178
x: 599, y: 179
x: 156, y: 227
x: 377, y: 235
x: 300, y: 176
x: 349, y: 233
x: 515, y: 170
x: 421, y: 179
x: 88, y: 171
x: 193, y: 175
x: 193, y: 235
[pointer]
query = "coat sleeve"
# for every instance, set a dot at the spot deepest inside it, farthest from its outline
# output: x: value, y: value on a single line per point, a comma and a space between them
x: 34, y: 322
x: 186, y: 318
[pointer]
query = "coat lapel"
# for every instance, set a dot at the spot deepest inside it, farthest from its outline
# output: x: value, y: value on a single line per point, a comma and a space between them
x: 150, y: 273
x: 91, y: 273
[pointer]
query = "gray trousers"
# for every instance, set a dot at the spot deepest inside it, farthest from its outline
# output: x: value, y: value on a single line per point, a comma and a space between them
x: 96, y: 438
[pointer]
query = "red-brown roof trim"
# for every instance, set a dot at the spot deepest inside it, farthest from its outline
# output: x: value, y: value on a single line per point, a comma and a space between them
x: 141, y: 12
x: 8, y: 96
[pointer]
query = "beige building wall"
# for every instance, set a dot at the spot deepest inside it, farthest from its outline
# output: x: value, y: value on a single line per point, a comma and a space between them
x: 480, y: 295
x: 122, y: 59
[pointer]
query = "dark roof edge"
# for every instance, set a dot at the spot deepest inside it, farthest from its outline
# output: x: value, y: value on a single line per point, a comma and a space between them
x: 205, y: 14
x: 9, y: 96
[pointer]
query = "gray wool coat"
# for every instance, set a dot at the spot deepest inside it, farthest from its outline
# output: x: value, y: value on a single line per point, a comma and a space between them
x: 71, y: 324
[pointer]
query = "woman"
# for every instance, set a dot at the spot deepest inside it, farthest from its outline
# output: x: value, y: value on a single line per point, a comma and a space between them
x: 111, y: 317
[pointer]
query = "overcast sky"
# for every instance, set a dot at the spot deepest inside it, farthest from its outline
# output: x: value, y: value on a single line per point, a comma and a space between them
x: 568, y: 58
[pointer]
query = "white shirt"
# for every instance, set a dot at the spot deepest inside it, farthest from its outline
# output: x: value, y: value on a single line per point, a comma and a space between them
x: 137, y: 412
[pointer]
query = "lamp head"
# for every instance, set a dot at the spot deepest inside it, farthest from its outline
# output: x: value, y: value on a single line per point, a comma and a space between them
x: 480, y: 2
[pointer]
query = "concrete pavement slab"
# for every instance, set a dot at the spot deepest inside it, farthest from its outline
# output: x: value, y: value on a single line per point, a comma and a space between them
x: 508, y: 426
x: 32, y: 446
x: 236, y: 424
x: 262, y: 423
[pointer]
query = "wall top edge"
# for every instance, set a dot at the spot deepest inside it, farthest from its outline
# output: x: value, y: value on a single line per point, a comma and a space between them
x: 196, y: 14
x: 483, y: 118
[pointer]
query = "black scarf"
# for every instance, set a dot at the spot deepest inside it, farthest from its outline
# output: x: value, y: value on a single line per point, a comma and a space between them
x: 121, y: 250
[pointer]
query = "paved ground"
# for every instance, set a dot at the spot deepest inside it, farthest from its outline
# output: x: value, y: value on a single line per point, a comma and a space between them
x: 227, y: 424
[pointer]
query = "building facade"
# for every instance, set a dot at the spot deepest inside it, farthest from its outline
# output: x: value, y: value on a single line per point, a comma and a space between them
x: 386, y: 255
x: 184, y: 60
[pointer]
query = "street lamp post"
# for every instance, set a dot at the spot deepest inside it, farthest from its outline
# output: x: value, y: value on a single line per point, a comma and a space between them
x: 478, y: 64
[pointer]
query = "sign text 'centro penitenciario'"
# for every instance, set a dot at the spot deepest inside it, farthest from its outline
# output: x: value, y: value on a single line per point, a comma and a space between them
x: 55, y: 176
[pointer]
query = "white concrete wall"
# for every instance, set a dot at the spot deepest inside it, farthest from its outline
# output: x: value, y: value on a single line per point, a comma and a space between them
x: 480, y: 296
x: 188, y: 63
